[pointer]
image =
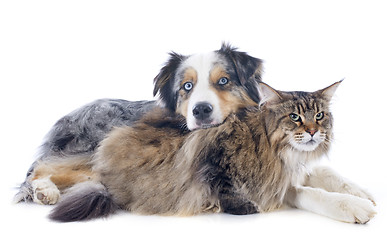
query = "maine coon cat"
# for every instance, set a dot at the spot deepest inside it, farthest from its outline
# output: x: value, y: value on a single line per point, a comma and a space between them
x: 256, y: 161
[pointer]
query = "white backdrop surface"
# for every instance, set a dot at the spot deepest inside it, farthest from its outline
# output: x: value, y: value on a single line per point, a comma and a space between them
x: 58, y: 55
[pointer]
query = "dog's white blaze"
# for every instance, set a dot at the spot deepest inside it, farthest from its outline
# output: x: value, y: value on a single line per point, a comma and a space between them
x: 203, y: 64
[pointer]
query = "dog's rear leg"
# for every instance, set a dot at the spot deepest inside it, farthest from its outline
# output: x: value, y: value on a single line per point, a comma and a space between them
x: 45, y: 191
x: 49, y: 178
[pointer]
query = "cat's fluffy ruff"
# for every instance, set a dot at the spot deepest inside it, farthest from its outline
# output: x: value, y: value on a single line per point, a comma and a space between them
x: 156, y: 168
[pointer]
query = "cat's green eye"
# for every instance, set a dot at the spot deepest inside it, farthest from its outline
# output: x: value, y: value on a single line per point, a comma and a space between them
x: 319, y: 116
x: 295, y: 117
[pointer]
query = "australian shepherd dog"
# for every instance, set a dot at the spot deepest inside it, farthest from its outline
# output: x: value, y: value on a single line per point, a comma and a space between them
x: 202, y: 89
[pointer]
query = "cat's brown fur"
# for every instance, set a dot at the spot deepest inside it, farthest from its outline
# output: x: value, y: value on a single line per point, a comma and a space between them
x: 154, y: 170
x: 144, y: 169
x: 253, y: 161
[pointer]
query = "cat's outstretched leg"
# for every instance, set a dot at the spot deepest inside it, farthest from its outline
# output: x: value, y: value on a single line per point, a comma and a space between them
x: 339, y: 206
x: 326, y: 178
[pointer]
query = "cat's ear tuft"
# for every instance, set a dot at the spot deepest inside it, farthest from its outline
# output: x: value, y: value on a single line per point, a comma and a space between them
x: 267, y: 94
x: 328, y: 92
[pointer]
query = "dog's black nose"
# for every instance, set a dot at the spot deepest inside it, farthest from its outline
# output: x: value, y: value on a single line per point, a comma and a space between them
x: 202, y: 110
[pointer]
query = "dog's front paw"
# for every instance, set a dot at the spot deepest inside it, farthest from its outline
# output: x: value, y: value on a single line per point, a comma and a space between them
x: 354, y: 209
x: 45, y: 191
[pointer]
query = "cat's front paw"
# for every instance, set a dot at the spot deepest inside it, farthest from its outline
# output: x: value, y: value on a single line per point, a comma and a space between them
x: 354, y: 209
x: 355, y: 190
x: 45, y: 191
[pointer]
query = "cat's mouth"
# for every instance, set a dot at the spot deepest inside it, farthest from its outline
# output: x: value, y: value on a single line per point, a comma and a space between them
x: 311, y: 142
x: 307, y: 146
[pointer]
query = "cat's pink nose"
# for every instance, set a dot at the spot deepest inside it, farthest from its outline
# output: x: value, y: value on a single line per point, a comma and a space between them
x: 311, y: 131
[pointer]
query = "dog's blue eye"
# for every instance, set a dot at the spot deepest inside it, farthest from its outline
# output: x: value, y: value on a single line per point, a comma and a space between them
x: 223, y: 81
x: 188, y: 86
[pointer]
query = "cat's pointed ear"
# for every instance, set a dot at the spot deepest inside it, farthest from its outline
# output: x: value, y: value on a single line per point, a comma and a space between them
x: 267, y: 94
x: 328, y: 92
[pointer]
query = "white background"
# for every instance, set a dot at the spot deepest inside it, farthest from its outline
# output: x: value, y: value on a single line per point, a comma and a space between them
x: 58, y: 55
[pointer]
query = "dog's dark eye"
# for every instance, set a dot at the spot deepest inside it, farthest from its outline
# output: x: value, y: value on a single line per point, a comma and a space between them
x: 223, y: 81
x: 188, y: 86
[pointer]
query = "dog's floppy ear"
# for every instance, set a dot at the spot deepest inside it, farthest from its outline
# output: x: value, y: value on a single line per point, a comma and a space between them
x: 247, y: 68
x: 165, y: 80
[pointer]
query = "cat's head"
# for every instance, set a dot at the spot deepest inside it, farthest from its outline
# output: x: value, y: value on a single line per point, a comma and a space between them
x: 301, y: 121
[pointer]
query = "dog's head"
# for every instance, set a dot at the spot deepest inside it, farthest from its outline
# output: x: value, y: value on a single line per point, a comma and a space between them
x: 206, y: 88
